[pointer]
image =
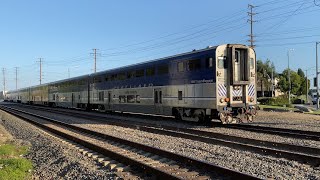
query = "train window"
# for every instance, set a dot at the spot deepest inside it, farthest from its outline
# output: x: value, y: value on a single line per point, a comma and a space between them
x: 101, y: 96
x: 131, y: 74
x: 131, y: 98
x: 108, y: 78
x: 79, y: 97
x: 156, y: 97
x: 113, y: 77
x: 53, y: 97
x: 180, y: 66
x: 160, y: 97
x: 122, y: 76
x: 150, y: 71
x: 179, y: 95
x: 140, y: 73
x: 97, y: 80
x: 163, y: 69
x: 138, y: 98
x: 251, y: 63
x: 237, y: 56
x: 209, y: 62
x: 194, y: 65
x: 122, y: 99
x: 222, y: 62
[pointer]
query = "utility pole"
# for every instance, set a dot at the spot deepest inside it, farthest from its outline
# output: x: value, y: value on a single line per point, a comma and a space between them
x: 317, y: 74
x: 251, y: 14
x: 40, y: 64
x: 95, y: 59
x: 272, y: 81
x: 16, y: 68
x: 307, y: 86
x: 289, y: 75
x: 4, y: 81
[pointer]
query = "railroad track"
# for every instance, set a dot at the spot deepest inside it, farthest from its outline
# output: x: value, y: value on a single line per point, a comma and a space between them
x: 292, y: 133
x: 303, y: 154
x: 301, y: 134
x: 163, y: 164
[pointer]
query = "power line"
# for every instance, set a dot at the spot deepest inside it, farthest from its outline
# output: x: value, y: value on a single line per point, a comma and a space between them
x: 296, y: 37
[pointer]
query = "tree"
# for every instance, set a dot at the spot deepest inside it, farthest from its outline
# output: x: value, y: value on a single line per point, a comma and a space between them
x: 303, y: 85
x: 295, y: 81
x: 264, y: 71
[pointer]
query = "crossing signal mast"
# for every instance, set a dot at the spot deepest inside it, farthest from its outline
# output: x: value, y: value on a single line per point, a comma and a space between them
x: 251, y: 14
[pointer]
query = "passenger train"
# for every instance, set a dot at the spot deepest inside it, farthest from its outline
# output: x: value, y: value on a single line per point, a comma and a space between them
x: 217, y: 82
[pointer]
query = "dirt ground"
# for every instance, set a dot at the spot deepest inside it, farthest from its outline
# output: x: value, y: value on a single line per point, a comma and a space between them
x: 4, y: 135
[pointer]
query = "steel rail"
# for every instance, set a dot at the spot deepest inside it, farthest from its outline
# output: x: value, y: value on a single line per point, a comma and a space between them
x: 177, y: 157
x: 292, y: 133
x: 282, y: 150
x: 301, y: 134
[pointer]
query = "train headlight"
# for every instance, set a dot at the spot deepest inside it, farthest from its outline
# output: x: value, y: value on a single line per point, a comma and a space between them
x: 251, y: 99
x: 236, y: 88
x: 227, y: 99
x: 222, y: 100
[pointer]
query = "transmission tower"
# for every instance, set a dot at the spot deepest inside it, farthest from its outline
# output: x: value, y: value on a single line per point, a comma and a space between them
x: 251, y: 14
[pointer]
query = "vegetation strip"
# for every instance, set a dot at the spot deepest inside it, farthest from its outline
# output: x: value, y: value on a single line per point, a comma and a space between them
x: 12, y: 163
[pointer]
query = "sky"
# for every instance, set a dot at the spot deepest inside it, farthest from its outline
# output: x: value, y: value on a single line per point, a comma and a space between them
x: 64, y: 33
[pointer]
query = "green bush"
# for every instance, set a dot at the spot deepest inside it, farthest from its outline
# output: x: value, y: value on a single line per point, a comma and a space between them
x: 276, y: 101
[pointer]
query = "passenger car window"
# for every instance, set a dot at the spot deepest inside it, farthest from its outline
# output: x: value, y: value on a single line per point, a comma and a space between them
x: 140, y: 73
x: 179, y: 95
x: 209, y: 62
x: 251, y: 63
x: 194, y: 65
x: 163, y: 69
x: 150, y: 71
x: 180, y: 66
x: 130, y: 98
x: 222, y: 62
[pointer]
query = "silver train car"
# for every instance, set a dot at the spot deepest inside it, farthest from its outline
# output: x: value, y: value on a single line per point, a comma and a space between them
x: 215, y: 82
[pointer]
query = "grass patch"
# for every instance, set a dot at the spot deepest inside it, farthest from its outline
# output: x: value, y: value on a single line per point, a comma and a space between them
x: 277, y: 107
x: 14, y: 168
x: 12, y: 164
x: 10, y: 150
x: 314, y: 112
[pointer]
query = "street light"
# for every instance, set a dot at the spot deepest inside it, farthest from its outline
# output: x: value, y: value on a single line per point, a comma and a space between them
x: 289, y: 75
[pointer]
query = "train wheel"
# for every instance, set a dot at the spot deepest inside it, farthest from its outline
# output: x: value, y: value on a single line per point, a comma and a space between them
x: 249, y: 118
x: 225, y: 118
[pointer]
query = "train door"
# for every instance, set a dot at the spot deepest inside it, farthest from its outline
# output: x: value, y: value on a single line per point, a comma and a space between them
x: 109, y: 100
x: 158, y: 101
x: 72, y: 100
x: 239, y: 78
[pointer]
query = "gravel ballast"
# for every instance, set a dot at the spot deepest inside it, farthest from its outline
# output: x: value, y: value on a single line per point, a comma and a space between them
x: 241, y: 160
x: 51, y: 158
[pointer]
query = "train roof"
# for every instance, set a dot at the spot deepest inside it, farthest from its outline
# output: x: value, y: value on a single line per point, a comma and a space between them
x: 124, y: 67
x: 155, y: 60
